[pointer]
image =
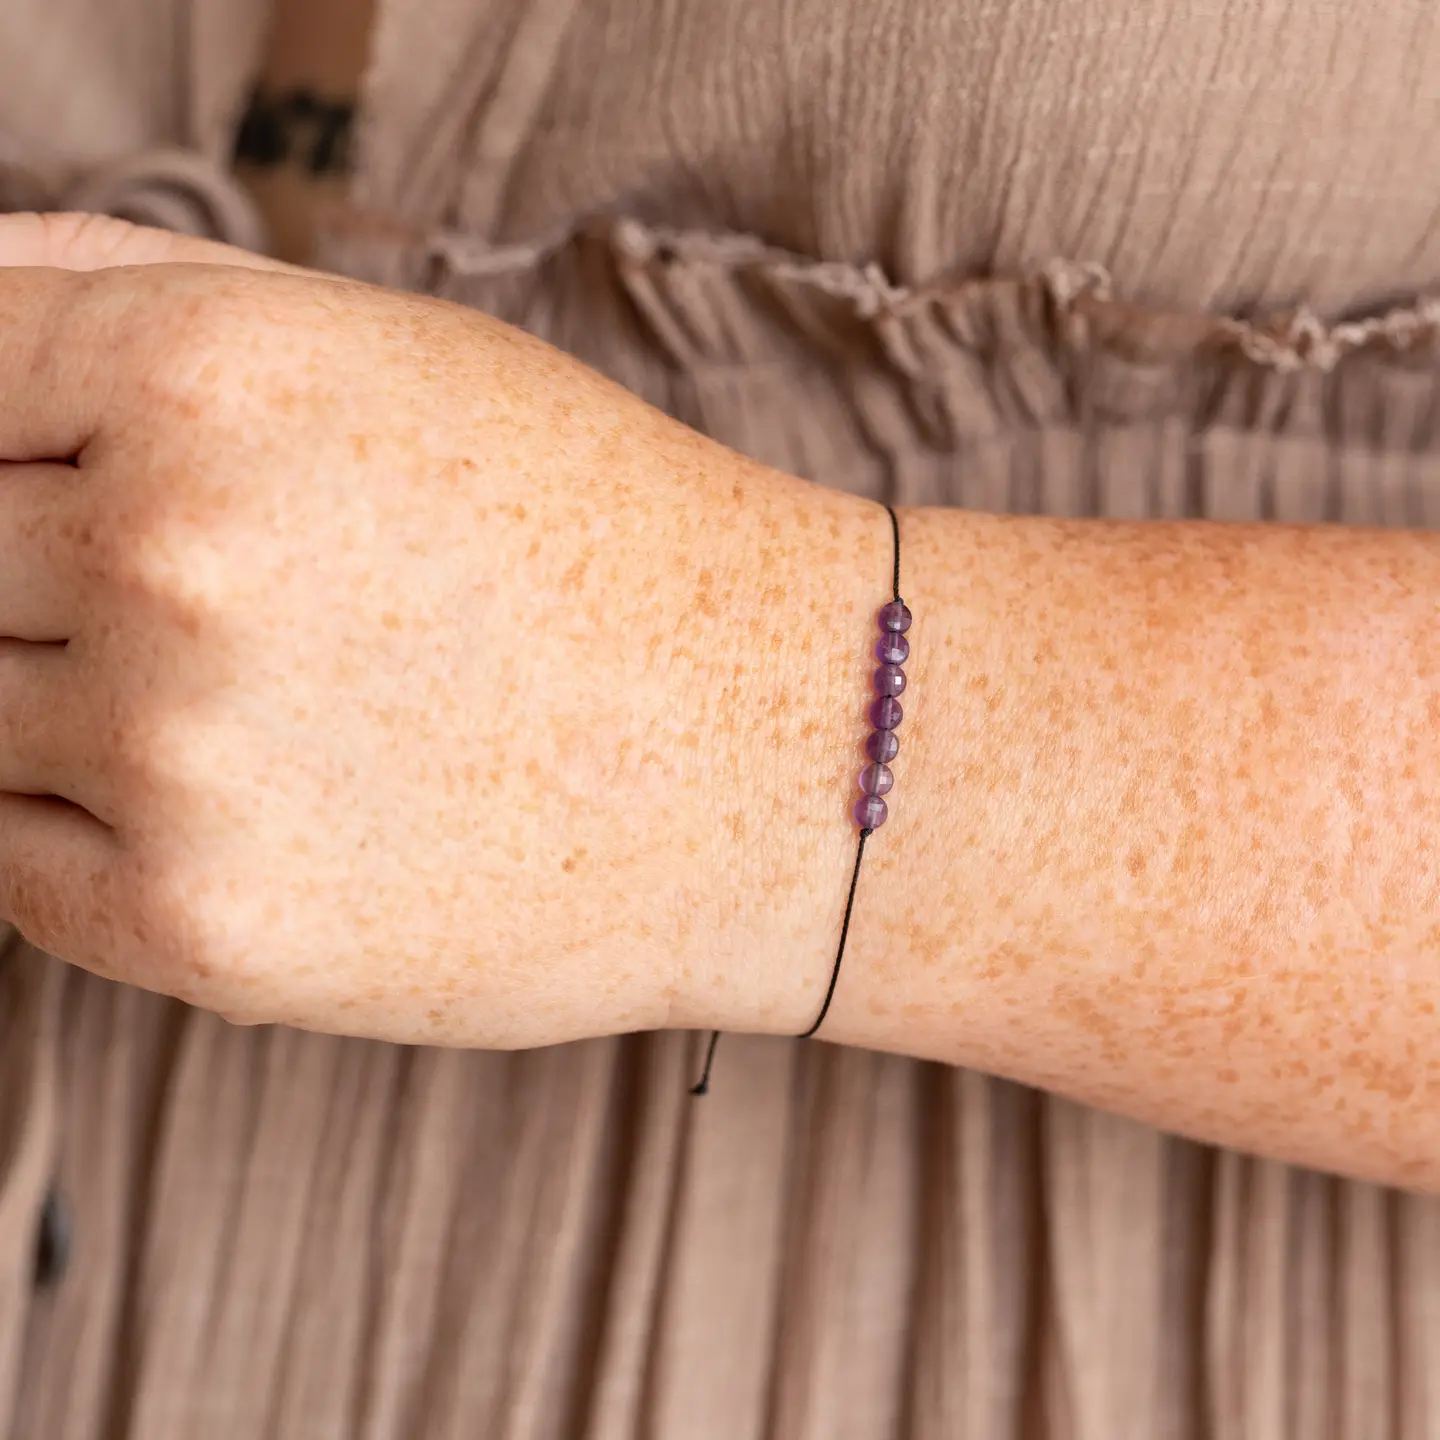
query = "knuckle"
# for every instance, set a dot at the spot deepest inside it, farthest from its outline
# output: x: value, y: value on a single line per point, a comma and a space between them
x: 186, y: 924
x: 165, y: 544
x: 165, y: 561
x: 187, y: 335
x: 172, y: 754
x: 129, y: 744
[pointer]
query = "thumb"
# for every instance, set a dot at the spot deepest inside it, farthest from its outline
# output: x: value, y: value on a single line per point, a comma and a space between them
x: 99, y: 242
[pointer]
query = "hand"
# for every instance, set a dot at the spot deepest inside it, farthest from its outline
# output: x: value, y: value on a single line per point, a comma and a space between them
x: 370, y: 665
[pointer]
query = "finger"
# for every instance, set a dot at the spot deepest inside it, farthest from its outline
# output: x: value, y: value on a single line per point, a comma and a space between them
x: 56, y: 353
x: 47, y: 746
x: 71, y: 241
x: 43, y: 533
x: 56, y: 869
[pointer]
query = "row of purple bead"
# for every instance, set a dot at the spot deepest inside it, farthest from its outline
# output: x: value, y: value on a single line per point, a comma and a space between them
x: 892, y: 650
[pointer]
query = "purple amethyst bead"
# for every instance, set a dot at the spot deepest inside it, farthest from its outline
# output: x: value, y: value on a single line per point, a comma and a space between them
x: 895, y: 616
x: 889, y: 680
x: 870, y: 812
x: 885, y: 713
x: 882, y: 745
x: 877, y: 779
x: 892, y: 648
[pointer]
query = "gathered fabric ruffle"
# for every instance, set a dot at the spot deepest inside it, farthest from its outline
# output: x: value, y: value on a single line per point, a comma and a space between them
x: 1047, y: 392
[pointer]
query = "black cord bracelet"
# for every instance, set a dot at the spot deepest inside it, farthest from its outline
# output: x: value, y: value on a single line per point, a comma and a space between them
x: 876, y: 779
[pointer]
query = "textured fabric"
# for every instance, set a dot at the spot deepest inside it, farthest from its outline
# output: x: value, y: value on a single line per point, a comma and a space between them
x: 1006, y: 254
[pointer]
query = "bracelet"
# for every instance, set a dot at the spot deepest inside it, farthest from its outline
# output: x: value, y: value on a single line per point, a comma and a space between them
x: 876, y: 779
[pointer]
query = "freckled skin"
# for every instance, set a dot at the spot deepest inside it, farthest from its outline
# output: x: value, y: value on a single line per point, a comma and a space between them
x: 354, y: 587
x: 421, y: 684
x: 1228, y: 921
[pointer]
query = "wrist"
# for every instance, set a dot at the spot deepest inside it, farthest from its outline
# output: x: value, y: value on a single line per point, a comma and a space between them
x: 802, y: 570
x: 696, y: 716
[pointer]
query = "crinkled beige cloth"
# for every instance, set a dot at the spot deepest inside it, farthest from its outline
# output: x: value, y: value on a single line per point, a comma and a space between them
x: 1080, y: 256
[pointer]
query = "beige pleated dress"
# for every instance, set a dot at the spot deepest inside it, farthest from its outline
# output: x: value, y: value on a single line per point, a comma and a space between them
x: 1074, y: 256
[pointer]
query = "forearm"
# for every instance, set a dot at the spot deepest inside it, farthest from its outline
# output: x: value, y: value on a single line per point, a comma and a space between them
x: 1161, y: 837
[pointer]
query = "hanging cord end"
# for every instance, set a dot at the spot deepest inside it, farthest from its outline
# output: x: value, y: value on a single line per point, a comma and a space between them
x: 875, y: 780
x: 703, y: 1086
